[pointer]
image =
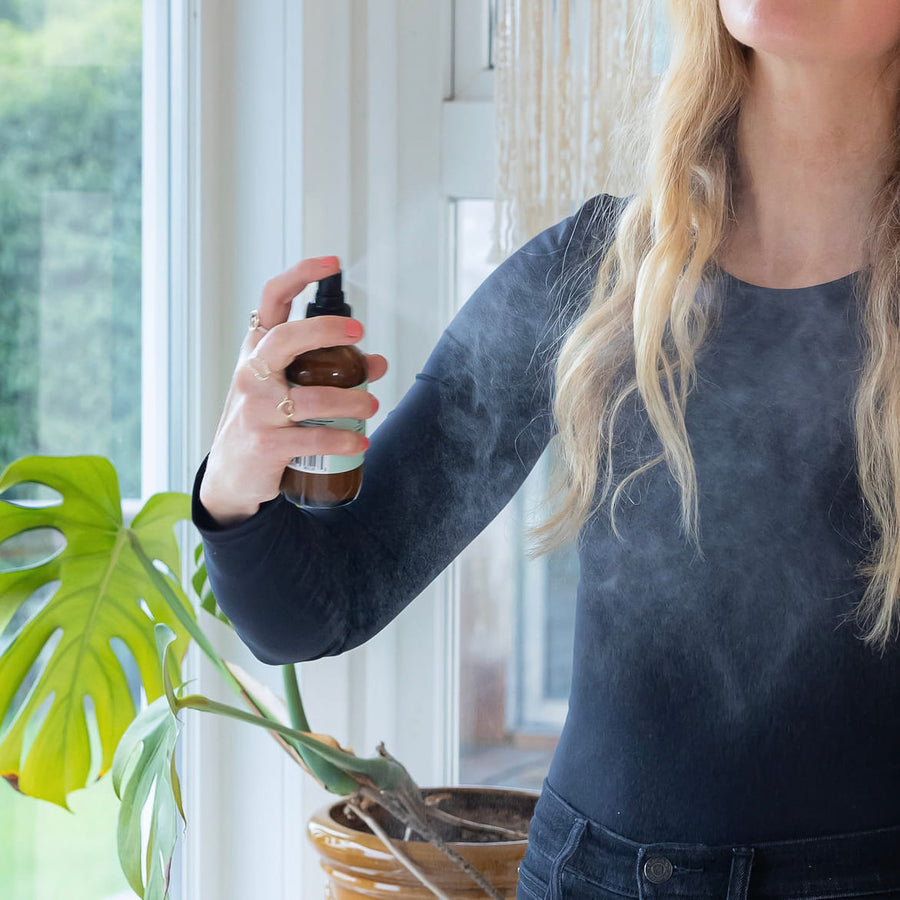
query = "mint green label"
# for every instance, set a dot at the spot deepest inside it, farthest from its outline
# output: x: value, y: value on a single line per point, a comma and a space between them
x: 331, y: 464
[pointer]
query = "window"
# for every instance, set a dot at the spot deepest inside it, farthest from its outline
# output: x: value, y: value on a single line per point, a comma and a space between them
x: 70, y: 331
x: 70, y: 220
x: 517, y: 615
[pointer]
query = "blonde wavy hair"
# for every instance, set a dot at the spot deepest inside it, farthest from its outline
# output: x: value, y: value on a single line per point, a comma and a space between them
x: 645, y: 320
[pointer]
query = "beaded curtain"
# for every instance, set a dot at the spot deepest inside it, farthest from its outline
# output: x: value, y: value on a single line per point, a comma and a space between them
x: 569, y: 77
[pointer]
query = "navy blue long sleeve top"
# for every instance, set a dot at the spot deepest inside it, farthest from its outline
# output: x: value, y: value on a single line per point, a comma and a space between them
x: 717, y: 699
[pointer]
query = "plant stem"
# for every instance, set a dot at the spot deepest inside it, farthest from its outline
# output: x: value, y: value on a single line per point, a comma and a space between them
x: 328, y: 774
x: 183, y: 612
x: 396, y: 851
x: 384, y: 774
x: 411, y: 812
x: 292, y: 697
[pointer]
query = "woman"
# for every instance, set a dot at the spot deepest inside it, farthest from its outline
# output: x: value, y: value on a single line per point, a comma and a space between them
x: 718, y: 353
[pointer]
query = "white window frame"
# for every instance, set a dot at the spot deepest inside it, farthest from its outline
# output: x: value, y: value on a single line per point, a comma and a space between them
x: 467, y: 129
x: 235, y: 110
x: 298, y: 128
x: 155, y: 268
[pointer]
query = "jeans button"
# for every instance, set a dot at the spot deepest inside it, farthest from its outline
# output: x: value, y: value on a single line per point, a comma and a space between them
x: 657, y: 869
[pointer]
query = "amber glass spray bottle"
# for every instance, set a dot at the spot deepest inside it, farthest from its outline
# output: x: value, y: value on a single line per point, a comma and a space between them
x: 327, y: 481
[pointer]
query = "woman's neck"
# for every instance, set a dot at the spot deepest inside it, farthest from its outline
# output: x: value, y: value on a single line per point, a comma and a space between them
x: 813, y: 147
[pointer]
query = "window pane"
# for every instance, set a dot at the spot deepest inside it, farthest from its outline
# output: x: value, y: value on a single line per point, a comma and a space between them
x: 47, y: 853
x: 516, y: 614
x: 70, y: 230
x: 70, y: 341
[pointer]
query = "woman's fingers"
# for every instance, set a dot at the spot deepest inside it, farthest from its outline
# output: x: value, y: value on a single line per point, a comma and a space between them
x: 378, y: 365
x: 327, y: 403
x: 275, y: 350
x: 278, y: 347
x: 279, y: 292
x: 304, y: 441
x: 266, y: 422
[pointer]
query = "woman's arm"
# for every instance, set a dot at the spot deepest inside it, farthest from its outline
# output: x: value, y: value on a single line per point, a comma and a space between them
x: 300, y: 584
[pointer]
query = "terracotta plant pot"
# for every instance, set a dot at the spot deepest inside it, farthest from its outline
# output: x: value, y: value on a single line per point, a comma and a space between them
x: 357, y: 864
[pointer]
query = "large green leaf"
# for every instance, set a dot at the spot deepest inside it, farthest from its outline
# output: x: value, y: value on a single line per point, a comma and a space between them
x: 144, y: 765
x: 101, y: 586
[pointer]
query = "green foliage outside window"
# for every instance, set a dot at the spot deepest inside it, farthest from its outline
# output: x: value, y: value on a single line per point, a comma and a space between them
x: 70, y: 230
x: 70, y: 333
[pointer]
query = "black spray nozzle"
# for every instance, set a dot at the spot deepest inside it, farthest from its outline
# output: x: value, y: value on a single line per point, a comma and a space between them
x: 329, y: 299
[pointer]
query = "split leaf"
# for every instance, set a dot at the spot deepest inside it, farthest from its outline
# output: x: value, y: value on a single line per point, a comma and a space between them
x: 64, y: 654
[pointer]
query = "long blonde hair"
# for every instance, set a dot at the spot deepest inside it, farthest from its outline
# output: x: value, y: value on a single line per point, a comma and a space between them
x: 645, y: 320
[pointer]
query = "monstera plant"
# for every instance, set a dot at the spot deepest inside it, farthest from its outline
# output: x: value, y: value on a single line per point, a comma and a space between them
x: 106, y: 581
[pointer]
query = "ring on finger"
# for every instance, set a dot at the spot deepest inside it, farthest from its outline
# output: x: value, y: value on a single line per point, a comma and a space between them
x: 258, y: 366
x: 286, y: 406
x: 255, y: 324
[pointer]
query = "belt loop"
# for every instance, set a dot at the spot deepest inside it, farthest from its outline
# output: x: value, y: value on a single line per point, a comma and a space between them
x: 563, y: 857
x: 739, y: 880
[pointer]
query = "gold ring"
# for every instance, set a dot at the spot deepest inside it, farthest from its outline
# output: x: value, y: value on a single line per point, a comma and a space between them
x: 286, y: 406
x: 255, y: 324
x: 258, y: 366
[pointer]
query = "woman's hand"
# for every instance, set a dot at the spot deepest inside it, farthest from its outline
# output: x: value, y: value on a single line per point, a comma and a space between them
x: 255, y: 438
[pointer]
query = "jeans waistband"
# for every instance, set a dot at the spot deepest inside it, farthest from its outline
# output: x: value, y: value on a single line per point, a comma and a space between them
x: 829, y: 866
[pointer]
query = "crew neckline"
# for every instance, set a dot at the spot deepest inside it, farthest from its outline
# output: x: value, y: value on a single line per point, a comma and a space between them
x: 749, y: 285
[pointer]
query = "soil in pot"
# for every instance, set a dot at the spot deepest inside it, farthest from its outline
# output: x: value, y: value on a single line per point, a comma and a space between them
x: 358, y: 865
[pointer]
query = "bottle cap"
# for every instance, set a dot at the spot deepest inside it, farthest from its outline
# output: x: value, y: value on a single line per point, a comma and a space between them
x: 329, y: 299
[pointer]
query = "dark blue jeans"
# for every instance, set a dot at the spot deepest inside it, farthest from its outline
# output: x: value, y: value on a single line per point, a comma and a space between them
x: 571, y: 857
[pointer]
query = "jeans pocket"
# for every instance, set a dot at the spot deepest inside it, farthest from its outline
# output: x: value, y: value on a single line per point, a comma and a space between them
x: 530, y: 886
x: 541, y: 871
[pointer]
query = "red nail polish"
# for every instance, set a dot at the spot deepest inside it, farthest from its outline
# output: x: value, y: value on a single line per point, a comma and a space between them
x: 354, y: 329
